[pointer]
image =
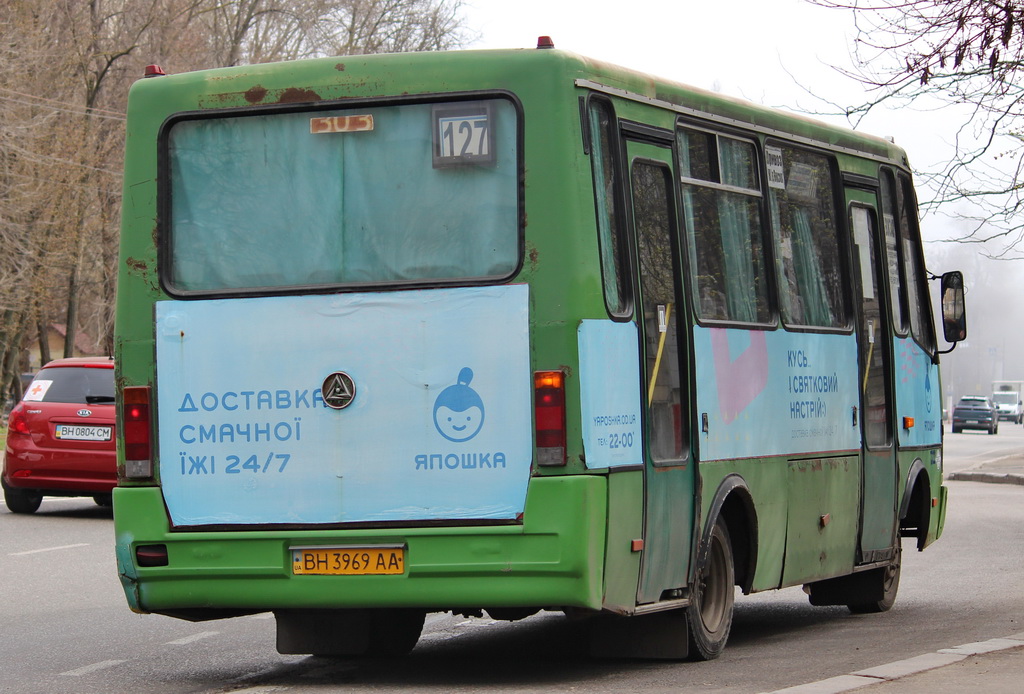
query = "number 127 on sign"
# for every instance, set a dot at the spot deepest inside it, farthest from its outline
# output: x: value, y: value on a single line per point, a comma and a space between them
x: 463, y: 136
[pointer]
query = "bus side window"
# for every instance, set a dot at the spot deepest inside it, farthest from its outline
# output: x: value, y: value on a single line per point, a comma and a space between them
x: 806, y: 236
x: 722, y: 216
x: 913, y: 265
x: 604, y: 155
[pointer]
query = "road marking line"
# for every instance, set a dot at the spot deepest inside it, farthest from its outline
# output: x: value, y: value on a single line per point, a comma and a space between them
x: 48, y: 549
x: 194, y: 637
x: 92, y: 668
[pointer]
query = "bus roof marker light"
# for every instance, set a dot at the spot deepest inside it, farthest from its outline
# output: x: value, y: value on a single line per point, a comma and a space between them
x: 154, y: 71
x: 545, y: 42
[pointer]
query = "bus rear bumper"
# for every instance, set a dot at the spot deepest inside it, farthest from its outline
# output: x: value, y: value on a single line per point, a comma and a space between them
x: 554, y: 559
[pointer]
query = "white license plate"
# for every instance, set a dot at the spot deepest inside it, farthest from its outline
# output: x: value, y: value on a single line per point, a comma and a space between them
x: 77, y: 432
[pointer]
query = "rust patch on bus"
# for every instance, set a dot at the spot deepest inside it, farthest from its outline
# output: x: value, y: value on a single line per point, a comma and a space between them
x: 294, y: 95
x: 138, y: 265
x: 255, y: 94
x: 340, y: 67
x: 533, y: 256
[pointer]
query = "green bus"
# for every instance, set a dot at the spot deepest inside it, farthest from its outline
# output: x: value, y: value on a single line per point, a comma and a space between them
x: 511, y: 331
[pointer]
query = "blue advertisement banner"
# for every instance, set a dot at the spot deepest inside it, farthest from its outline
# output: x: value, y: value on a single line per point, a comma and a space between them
x: 610, y: 393
x: 917, y: 394
x: 775, y: 393
x: 384, y: 406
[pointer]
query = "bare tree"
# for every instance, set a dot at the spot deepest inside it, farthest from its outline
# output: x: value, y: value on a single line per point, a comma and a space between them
x: 968, y: 54
x: 65, y: 70
x: 257, y: 31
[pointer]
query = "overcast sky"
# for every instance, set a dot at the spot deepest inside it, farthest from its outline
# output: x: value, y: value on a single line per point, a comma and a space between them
x: 777, y: 53
x: 740, y: 47
x: 769, y: 51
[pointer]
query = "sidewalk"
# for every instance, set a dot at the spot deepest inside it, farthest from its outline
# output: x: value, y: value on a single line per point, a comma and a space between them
x: 1008, y: 470
x: 993, y: 667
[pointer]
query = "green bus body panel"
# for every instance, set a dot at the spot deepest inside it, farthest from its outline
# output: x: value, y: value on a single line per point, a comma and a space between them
x: 669, y: 530
x: 938, y: 520
x: 625, y: 524
x: 554, y: 559
x: 821, y: 537
x: 930, y: 459
x: 791, y: 498
x: 880, y: 487
x: 767, y: 481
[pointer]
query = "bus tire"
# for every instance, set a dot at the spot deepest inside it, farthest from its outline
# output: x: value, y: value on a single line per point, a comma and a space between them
x: 885, y: 580
x: 709, y: 614
x: 22, y: 500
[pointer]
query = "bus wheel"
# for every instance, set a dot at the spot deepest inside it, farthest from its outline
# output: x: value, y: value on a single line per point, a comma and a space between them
x: 885, y: 580
x: 709, y: 614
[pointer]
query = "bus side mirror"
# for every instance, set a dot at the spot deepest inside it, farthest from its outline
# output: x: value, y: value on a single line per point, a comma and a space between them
x: 954, y: 313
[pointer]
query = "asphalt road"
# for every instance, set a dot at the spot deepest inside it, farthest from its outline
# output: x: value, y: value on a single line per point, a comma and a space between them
x: 65, y: 626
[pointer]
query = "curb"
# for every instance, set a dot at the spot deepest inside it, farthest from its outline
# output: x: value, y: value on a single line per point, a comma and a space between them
x: 990, y: 477
x: 904, y: 668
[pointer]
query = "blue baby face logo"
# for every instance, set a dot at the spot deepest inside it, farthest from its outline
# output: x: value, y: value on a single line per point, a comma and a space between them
x: 458, y: 410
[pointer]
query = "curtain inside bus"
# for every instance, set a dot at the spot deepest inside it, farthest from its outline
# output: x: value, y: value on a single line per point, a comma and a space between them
x: 261, y: 201
x: 723, y: 226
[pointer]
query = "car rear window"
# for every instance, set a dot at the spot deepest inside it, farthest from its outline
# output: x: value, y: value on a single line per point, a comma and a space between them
x: 972, y: 402
x: 72, y: 384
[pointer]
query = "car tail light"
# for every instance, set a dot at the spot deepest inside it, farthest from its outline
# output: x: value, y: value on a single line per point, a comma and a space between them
x: 16, y: 422
x: 549, y: 415
x: 138, y: 458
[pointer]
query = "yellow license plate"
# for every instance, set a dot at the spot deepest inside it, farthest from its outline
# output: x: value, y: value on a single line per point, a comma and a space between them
x: 348, y: 561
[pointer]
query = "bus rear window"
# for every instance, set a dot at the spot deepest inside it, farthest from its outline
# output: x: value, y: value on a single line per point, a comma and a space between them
x: 373, y: 195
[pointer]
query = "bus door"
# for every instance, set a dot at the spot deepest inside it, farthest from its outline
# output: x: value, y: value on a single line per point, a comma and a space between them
x: 668, y: 468
x: 878, y: 481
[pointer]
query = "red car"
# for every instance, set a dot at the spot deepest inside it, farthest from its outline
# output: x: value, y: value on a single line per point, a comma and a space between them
x: 60, y: 437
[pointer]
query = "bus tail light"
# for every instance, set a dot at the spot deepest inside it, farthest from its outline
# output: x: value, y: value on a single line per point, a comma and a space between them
x: 151, y: 555
x: 549, y: 414
x: 138, y: 455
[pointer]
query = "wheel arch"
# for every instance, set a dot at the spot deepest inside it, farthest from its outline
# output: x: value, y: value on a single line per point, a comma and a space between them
x: 915, y: 509
x: 734, y: 503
